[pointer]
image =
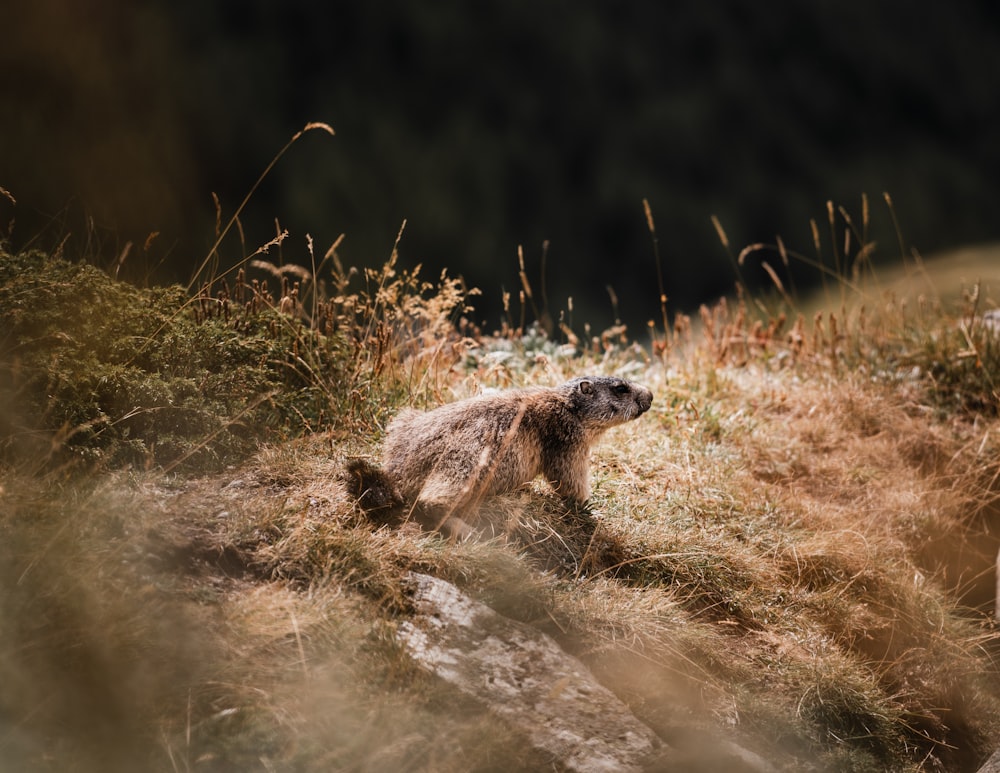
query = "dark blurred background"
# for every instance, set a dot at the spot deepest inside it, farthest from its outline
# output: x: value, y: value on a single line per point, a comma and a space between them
x: 492, y: 124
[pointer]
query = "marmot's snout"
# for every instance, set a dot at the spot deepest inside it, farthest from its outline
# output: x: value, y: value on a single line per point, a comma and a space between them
x: 644, y: 399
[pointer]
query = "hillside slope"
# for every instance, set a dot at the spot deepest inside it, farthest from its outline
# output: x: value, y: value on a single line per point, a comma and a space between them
x: 793, y: 551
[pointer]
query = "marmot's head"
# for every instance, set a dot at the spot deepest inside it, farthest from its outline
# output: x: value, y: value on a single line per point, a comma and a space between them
x: 607, y: 401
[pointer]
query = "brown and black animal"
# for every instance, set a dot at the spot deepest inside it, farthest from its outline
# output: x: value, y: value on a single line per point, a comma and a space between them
x: 441, y: 464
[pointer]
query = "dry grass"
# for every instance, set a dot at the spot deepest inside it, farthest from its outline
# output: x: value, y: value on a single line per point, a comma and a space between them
x: 793, y: 547
x: 757, y: 563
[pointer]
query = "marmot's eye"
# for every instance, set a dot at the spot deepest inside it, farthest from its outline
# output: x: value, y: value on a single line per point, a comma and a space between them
x: 620, y: 389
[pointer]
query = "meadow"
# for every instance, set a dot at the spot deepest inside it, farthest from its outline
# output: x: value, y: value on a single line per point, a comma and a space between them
x: 794, y: 549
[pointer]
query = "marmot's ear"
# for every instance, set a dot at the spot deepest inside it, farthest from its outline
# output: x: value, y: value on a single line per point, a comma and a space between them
x: 586, y: 386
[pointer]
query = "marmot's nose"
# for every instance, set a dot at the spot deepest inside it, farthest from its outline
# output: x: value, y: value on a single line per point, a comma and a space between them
x: 645, y: 400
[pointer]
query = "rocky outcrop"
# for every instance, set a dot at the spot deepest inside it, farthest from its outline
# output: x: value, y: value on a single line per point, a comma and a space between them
x: 523, y: 676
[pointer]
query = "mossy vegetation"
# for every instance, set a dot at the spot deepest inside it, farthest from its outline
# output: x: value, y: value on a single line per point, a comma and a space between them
x: 108, y: 374
x: 794, y: 548
x: 99, y: 374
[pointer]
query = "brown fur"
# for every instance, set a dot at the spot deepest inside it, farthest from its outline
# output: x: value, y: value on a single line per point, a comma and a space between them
x: 444, y: 462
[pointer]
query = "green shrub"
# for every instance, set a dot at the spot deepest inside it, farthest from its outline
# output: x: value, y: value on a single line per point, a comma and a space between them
x: 97, y: 371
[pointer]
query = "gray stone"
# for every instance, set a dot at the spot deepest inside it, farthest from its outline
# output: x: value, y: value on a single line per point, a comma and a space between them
x: 523, y: 676
x: 992, y: 765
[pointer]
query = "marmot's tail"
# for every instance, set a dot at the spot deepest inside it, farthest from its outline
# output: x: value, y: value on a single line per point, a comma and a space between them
x: 371, y: 487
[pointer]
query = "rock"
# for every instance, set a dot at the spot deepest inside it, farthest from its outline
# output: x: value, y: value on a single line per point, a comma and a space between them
x: 523, y: 676
x: 992, y: 765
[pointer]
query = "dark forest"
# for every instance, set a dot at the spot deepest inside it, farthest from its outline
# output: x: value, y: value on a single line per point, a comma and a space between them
x: 492, y: 125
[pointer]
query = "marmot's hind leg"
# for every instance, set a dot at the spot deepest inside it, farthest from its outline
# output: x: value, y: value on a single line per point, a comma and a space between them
x: 438, y: 508
x: 449, y: 526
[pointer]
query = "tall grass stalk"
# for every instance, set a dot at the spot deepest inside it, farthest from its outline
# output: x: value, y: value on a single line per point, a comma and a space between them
x: 197, y: 276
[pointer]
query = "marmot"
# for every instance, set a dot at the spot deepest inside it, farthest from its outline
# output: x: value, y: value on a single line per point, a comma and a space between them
x: 442, y: 463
